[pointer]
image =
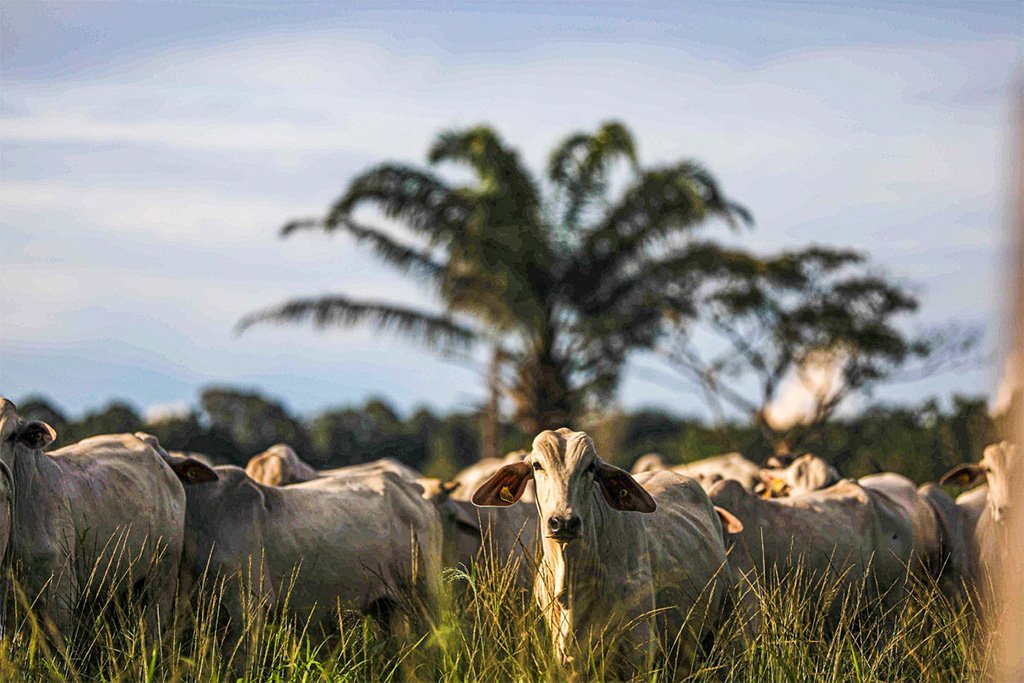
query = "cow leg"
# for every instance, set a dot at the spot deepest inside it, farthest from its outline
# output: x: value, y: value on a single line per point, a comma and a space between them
x: 160, y: 590
x: 55, y: 600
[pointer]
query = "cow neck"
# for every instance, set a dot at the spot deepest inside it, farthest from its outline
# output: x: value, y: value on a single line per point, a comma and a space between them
x: 30, y: 471
x: 574, y: 581
x: 30, y: 466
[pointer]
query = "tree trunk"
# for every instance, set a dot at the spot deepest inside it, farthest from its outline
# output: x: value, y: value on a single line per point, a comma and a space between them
x: 542, y: 393
x: 490, y: 418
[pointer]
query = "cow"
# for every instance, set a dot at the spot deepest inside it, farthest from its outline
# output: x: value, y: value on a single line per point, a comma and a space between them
x: 649, y: 462
x: 1001, y: 469
x: 938, y: 547
x: 832, y: 537
x: 614, y: 549
x: 707, y: 471
x: 363, y: 542
x: 710, y: 471
x: 504, y: 536
x: 6, y: 518
x: 805, y: 473
x: 951, y: 564
x: 110, y: 503
x: 280, y: 465
x: 971, y: 504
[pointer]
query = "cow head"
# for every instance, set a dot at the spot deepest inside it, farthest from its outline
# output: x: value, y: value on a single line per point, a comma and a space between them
x: 651, y: 462
x: 17, y: 433
x: 279, y: 465
x: 1000, y: 466
x: 566, y: 470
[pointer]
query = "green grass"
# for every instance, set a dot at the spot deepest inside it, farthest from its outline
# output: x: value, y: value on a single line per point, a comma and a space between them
x: 485, y: 629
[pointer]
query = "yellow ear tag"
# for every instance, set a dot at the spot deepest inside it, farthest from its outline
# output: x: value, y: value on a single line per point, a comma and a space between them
x: 506, y: 495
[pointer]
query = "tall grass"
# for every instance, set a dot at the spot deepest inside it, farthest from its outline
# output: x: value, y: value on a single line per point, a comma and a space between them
x: 486, y: 628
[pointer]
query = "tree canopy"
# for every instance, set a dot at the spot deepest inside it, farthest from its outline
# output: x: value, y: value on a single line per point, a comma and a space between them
x: 564, y: 275
x: 818, y: 318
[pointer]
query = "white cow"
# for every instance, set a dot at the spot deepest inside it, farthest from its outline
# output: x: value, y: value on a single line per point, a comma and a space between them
x: 938, y: 549
x: 615, y: 548
x: 803, y: 474
x: 504, y: 536
x: 1002, y: 469
x: 6, y: 513
x: 109, y: 502
x: 361, y: 542
x: 834, y: 536
x: 280, y: 465
x: 937, y: 532
x: 707, y: 471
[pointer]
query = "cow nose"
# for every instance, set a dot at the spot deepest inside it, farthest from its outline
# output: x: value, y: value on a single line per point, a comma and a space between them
x: 564, y: 527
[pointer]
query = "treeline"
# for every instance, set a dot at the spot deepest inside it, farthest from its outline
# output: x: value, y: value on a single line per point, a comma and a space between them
x: 232, y: 425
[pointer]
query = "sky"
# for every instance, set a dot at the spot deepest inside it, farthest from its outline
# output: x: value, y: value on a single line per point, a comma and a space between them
x: 150, y: 152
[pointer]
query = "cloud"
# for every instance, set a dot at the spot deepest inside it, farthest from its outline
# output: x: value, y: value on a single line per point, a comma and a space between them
x: 164, y: 412
x: 817, y: 381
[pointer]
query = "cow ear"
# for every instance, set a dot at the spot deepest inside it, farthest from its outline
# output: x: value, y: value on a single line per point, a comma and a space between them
x: 965, y: 476
x: 191, y: 471
x: 730, y: 523
x: 505, y: 486
x: 35, y: 435
x: 621, y: 491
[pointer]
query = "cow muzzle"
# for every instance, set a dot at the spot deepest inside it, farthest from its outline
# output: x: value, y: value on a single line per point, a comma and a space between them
x: 564, y: 529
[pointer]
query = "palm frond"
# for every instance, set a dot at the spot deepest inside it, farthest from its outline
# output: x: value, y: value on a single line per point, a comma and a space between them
x: 405, y: 258
x: 401, y: 256
x: 301, y: 224
x: 662, y: 202
x: 497, y: 165
x: 420, y: 200
x: 580, y: 165
x: 435, y: 330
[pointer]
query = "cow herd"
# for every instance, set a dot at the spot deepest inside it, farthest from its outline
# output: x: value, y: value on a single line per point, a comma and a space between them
x: 647, y: 562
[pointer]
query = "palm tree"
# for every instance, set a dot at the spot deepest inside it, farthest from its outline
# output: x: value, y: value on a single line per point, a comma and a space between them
x: 563, y: 280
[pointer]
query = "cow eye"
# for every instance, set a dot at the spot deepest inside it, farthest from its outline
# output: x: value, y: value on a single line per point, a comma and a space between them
x: 591, y: 468
x: 537, y: 467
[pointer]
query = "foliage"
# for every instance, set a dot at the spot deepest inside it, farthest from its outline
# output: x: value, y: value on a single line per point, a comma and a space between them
x: 250, y: 420
x: 564, y: 277
x: 921, y: 441
x: 819, y: 318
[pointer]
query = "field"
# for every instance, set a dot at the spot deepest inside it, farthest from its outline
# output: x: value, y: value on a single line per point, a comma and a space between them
x: 487, y: 630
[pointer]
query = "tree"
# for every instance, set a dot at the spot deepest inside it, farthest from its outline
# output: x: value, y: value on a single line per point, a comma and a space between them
x: 250, y: 421
x: 562, y: 280
x: 117, y: 417
x: 790, y: 336
x: 350, y: 436
x: 177, y: 432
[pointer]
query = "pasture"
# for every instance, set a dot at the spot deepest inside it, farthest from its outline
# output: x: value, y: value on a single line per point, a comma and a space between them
x: 488, y: 630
